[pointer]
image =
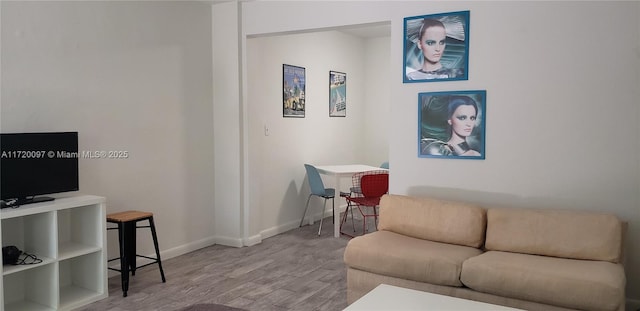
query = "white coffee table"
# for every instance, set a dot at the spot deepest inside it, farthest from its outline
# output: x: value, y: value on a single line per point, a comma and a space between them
x: 386, y: 297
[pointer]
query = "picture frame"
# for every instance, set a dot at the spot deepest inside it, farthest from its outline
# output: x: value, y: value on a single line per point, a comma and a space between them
x: 452, y: 124
x: 293, y: 91
x: 337, y: 94
x: 436, y: 47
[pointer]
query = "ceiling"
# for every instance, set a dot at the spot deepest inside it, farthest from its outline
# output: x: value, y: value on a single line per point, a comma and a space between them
x: 365, y: 31
x: 373, y: 30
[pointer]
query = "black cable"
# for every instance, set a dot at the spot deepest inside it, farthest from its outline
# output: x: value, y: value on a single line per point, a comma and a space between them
x: 23, y: 260
x: 9, y: 203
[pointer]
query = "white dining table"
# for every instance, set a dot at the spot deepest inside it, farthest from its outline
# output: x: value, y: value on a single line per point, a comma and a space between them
x: 338, y: 172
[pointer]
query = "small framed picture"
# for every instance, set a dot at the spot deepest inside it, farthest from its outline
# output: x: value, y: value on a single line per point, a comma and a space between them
x: 436, y: 47
x: 337, y: 94
x: 293, y: 91
x: 452, y: 124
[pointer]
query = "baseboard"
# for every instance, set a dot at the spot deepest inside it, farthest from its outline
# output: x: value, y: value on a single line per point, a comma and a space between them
x: 316, y: 217
x: 273, y: 231
x: 187, y: 248
x: 229, y: 241
x: 222, y: 240
x: 252, y: 240
x: 169, y: 253
x: 257, y: 239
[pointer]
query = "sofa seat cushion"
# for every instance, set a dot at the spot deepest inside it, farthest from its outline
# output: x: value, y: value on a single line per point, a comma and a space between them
x: 570, y: 283
x: 392, y: 254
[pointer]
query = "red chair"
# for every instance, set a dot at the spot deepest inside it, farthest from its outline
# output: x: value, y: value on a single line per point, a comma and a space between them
x: 373, y: 187
x: 356, y: 178
x: 355, y: 191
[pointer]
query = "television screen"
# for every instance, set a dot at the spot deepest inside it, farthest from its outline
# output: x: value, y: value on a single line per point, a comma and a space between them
x: 33, y: 164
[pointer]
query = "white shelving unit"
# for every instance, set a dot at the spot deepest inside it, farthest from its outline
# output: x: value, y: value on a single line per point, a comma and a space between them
x: 68, y: 234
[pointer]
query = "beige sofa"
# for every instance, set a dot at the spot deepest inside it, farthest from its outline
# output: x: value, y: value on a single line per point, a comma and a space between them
x: 534, y: 259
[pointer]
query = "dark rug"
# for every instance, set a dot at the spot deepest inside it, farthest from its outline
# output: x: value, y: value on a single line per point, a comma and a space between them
x: 210, y: 307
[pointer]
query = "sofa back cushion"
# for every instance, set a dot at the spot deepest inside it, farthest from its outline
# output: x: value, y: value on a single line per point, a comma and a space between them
x: 434, y: 220
x: 559, y: 233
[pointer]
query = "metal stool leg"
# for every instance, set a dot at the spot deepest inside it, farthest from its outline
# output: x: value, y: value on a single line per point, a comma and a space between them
x: 130, y: 245
x: 124, y: 265
x: 155, y: 244
x: 127, y: 226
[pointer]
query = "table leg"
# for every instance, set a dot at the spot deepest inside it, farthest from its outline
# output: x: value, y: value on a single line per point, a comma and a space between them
x: 311, y: 217
x: 338, y: 207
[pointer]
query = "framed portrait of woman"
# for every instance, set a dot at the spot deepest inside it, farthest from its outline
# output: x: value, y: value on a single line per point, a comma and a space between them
x: 436, y: 47
x: 452, y: 124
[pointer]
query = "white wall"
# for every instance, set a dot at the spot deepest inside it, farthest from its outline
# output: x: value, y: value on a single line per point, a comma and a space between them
x: 377, y: 101
x: 563, y: 120
x: 126, y: 79
x: 228, y: 128
x: 278, y: 186
x: 562, y: 110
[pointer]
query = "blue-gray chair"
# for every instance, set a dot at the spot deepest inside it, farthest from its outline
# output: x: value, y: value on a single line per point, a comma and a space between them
x: 318, y: 189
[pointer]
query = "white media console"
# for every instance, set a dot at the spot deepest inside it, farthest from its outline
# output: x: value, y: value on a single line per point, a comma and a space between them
x: 69, y: 235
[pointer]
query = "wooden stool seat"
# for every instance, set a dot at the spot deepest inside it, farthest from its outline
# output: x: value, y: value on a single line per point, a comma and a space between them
x: 128, y: 216
x: 127, y: 225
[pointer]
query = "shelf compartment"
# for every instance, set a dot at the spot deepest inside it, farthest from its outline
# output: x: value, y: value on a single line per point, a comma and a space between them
x: 77, y: 280
x: 31, y: 289
x: 9, y: 269
x: 70, y: 249
x: 68, y: 234
x: 31, y: 234
x: 77, y: 232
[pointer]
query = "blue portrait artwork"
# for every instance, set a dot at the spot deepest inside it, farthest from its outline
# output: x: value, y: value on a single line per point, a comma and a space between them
x: 452, y: 124
x: 293, y: 91
x: 436, y: 47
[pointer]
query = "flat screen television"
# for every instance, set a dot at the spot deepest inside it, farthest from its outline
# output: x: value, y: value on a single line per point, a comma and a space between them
x: 35, y: 164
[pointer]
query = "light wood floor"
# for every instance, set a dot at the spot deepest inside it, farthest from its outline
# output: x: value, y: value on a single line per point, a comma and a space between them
x: 296, y: 270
